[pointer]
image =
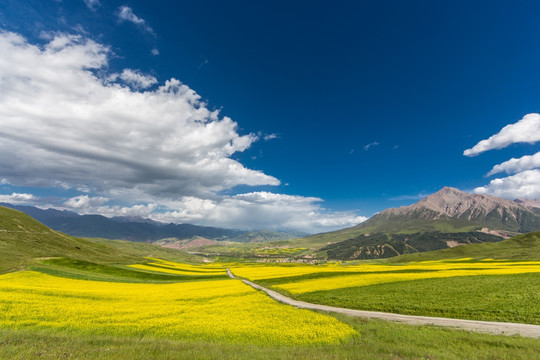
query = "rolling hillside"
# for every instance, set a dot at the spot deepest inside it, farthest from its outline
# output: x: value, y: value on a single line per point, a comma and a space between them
x: 24, y: 240
x: 139, y: 229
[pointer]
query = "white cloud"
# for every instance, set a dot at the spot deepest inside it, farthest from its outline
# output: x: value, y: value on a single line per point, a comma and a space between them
x: 84, y: 202
x: 61, y: 123
x: 154, y: 52
x: 125, y: 13
x: 255, y: 210
x: 19, y: 198
x: 526, y: 130
x: 270, y: 137
x: 92, y: 4
x: 524, y: 185
x: 260, y: 210
x: 136, y: 79
x: 375, y: 143
x: 65, y: 122
x: 514, y: 165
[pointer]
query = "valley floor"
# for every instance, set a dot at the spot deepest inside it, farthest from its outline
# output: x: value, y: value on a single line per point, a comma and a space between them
x: 168, y: 310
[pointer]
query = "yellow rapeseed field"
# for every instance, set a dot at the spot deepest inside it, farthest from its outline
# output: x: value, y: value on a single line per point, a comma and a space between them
x: 369, y: 274
x: 180, y: 269
x: 221, y: 311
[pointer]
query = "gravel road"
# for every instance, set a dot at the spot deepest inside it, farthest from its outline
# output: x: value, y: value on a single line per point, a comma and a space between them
x: 499, y: 328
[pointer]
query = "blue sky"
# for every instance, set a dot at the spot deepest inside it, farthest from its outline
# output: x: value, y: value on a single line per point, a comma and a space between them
x: 311, y: 116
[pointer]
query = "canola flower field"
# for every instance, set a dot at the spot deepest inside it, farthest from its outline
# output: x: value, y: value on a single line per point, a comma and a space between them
x: 169, y: 267
x: 223, y: 310
x: 489, y: 290
x: 209, y: 310
x: 50, y: 316
x: 304, y: 279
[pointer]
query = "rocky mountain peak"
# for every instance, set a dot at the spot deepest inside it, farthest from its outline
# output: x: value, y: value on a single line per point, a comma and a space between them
x: 455, y: 203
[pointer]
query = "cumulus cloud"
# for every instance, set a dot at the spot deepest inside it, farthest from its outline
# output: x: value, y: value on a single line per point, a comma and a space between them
x: 19, y: 198
x: 514, y: 165
x: 92, y: 4
x: 66, y: 122
x: 154, y: 52
x: 62, y: 123
x: 137, y: 79
x: 525, y: 185
x: 254, y: 210
x: 258, y: 210
x: 526, y: 130
x: 125, y: 13
x: 85, y: 202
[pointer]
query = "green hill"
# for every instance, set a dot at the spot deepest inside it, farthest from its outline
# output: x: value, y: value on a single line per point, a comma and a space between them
x: 24, y: 240
x: 521, y: 247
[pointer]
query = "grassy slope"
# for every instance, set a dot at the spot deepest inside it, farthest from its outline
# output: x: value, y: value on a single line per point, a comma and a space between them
x: 521, y: 247
x: 146, y: 250
x: 384, y: 225
x: 491, y: 297
x: 24, y: 240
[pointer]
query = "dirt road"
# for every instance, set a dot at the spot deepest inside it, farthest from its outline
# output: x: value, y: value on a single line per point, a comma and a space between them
x: 499, y: 328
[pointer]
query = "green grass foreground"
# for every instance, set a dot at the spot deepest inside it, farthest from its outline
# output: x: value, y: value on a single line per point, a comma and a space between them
x: 507, y: 298
x: 375, y: 340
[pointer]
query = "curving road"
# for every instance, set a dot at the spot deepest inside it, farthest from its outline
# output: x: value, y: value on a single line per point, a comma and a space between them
x: 499, y: 328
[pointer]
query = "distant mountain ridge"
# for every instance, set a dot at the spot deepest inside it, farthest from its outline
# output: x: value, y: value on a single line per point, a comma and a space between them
x: 453, y: 210
x: 447, y: 218
x: 138, y: 228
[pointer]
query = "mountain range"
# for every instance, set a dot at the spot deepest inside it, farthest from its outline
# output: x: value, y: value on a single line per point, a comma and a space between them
x: 141, y: 229
x: 447, y: 218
